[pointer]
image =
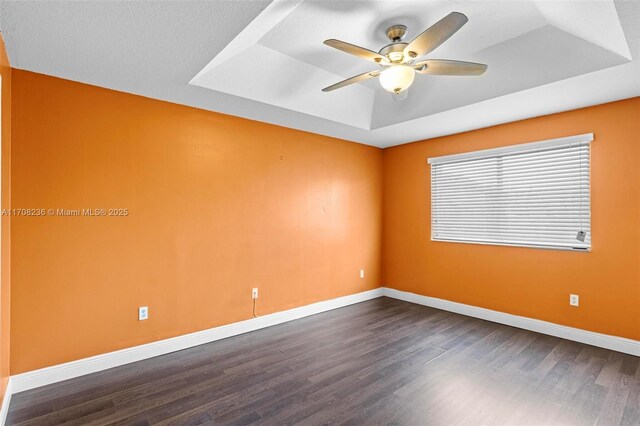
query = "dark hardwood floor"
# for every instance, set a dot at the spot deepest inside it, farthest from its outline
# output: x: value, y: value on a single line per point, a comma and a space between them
x: 377, y: 362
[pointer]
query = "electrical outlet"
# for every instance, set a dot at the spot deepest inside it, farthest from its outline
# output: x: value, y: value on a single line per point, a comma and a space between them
x: 361, y: 273
x: 574, y: 300
x: 143, y: 313
x: 254, y: 293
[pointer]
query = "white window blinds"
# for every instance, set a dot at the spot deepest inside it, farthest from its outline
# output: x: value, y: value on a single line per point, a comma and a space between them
x: 534, y: 194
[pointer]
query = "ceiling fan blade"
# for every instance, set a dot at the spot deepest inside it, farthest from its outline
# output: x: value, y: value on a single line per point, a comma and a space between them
x: 358, y: 51
x: 446, y: 67
x: 435, y: 35
x: 355, y: 79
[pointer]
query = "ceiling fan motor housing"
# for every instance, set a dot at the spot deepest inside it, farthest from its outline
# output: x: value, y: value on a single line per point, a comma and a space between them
x: 394, y: 51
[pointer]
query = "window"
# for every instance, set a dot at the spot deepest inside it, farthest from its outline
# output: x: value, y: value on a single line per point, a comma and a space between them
x: 535, y: 195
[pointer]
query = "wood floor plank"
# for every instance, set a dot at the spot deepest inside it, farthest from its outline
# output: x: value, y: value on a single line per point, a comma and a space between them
x: 382, y: 362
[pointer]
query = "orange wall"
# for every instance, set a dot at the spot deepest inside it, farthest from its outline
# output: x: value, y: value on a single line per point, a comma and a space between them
x: 5, y: 221
x: 218, y: 205
x: 524, y: 281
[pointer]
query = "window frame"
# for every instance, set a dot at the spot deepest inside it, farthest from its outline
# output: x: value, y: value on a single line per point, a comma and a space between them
x: 500, y: 152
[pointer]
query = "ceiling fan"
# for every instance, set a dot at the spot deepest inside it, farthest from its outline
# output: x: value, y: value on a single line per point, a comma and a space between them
x: 398, y: 59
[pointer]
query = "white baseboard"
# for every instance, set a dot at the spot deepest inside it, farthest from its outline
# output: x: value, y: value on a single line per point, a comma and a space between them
x: 69, y: 370
x: 4, y: 410
x: 614, y: 343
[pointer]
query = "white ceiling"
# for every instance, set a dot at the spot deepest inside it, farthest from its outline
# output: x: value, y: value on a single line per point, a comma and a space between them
x: 265, y: 60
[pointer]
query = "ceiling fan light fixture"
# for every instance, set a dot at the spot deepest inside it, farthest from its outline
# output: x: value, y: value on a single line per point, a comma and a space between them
x: 397, y: 78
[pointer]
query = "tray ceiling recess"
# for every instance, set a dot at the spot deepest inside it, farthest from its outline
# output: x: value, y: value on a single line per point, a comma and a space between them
x: 527, y: 45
